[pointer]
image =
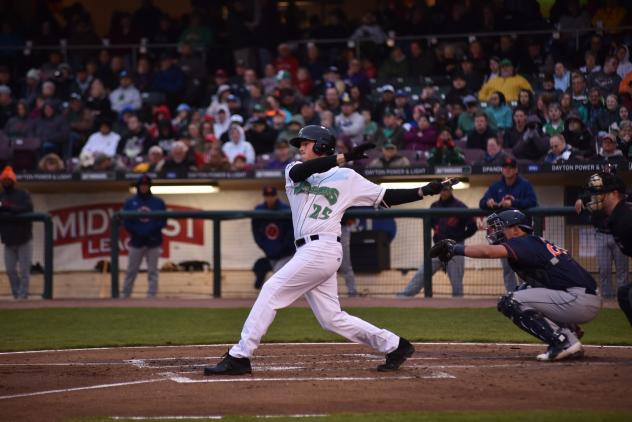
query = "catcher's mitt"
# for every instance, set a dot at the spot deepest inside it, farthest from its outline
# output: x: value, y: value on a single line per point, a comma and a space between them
x: 443, y: 249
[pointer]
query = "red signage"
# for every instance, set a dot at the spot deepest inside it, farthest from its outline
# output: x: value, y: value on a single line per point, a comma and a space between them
x: 90, y: 226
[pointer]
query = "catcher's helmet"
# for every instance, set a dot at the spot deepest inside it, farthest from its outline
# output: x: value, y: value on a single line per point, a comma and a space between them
x: 325, y: 142
x: 496, y: 222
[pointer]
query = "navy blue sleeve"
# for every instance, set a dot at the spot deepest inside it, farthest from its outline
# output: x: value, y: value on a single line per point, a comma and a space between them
x: 488, y: 194
x: 523, y: 250
x: 127, y: 222
x: 527, y: 197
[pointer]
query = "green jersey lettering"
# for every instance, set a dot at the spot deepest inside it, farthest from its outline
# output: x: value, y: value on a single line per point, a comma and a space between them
x: 330, y: 194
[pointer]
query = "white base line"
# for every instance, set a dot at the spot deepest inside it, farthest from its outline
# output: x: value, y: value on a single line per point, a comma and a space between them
x: 91, y: 387
x: 185, y: 380
x: 299, y: 344
x: 142, y: 418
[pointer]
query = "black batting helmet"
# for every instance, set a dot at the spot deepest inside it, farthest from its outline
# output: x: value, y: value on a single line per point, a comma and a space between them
x: 498, y: 221
x: 325, y: 142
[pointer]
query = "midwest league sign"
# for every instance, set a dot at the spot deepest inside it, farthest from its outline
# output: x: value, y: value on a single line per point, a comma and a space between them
x: 89, y: 225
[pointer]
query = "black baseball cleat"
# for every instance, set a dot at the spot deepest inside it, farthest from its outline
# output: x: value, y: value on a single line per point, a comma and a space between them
x: 575, y: 328
x: 562, y: 351
x: 230, y: 366
x: 398, y: 356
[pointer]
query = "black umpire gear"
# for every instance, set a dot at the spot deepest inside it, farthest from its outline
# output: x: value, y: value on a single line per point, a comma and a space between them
x: 325, y: 142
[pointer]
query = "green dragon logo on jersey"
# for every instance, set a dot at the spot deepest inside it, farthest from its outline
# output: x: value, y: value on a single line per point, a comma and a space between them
x: 330, y: 194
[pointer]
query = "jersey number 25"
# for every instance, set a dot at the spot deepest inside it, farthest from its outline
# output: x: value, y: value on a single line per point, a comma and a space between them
x: 320, y: 213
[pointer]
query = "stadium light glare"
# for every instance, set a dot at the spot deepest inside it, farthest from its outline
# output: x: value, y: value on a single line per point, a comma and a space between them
x: 180, y: 189
x: 411, y: 185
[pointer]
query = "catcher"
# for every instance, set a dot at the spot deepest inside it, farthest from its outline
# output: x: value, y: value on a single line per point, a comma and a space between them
x: 558, y: 293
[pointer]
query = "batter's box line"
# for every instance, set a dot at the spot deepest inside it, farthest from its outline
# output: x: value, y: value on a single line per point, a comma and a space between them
x: 215, y: 417
x: 180, y: 379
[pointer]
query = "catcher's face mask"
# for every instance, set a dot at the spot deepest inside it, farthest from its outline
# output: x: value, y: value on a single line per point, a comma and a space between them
x: 495, y: 227
x: 595, y: 185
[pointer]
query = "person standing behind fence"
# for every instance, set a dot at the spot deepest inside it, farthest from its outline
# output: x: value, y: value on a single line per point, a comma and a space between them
x: 446, y: 227
x: 607, y: 251
x: 608, y: 197
x: 275, y: 237
x: 511, y: 191
x: 16, y: 235
x: 346, y: 269
x: 145, y: 236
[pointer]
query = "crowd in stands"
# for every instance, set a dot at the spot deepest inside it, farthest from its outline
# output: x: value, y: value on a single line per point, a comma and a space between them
x: 546, y: 99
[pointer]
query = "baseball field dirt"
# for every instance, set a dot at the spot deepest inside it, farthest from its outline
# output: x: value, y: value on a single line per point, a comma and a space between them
x: 307, y: 378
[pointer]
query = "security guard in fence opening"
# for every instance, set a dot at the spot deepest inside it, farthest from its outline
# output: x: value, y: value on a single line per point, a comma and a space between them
x: 145, y: 236
x: 275, y: 237
x: 607, y: 196
x: 445, y: 227
x: 558, y: 293
x: 17, y: 236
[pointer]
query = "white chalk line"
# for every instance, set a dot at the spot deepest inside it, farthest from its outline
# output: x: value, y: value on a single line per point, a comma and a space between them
x: 185, y: 380
x: 219, y: 417
x: 298, y: 344
x: 90, y: 387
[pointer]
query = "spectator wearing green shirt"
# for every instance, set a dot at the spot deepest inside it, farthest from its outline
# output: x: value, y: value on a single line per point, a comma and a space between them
x: 555, y: 125
x: 465, y: 124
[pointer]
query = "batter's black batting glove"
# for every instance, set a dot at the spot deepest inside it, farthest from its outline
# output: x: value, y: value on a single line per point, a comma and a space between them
x: 432, y: 188
x: 443, y: 249
x: 359, y: 152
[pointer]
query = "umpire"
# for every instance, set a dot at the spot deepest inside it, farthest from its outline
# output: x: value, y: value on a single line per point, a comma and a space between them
x: 558, y: 293
x: 607, y: 196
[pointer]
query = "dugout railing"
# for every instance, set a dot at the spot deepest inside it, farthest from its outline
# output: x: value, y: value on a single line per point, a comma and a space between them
x: 47, y: 223
x: 217, y: 217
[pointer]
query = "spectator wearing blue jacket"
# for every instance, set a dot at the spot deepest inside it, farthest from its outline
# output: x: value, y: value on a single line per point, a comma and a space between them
x: 498, y: 107
x: 275, y: 237
x: 170, y: 79
x: 145, y: 236
x: 511, y: 191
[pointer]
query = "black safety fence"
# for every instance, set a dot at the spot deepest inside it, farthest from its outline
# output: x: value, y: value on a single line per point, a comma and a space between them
x: 387, y: 249
x: 42, y: 246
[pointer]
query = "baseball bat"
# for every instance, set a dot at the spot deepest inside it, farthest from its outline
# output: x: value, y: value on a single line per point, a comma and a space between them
x: 450, y: 182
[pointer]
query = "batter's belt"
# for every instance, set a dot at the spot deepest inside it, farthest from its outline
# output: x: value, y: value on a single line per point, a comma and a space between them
x: 302, y: 241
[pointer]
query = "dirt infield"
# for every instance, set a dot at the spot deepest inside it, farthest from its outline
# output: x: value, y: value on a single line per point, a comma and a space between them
x: 306, y: 379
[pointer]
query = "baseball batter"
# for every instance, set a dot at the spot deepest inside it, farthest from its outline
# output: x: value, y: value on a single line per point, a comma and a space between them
x: 319, y: 192
x: 558, y: 294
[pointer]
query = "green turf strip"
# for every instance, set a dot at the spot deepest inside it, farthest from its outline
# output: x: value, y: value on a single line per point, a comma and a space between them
x: 30, y: 329
x: 471, y: 416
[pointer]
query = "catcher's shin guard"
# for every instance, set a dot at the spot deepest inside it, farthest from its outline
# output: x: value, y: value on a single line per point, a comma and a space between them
x: 530, y: 320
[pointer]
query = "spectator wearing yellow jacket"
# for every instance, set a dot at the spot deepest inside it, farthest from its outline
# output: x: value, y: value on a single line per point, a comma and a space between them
x: 507, y: 83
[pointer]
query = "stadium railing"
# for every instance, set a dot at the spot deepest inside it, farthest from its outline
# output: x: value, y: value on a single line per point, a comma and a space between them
x: 47, y: 221
x: 217, y: 217
x: 28, y: 47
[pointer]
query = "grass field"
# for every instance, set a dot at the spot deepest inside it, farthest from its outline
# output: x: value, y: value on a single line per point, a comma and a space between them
x: 30, y: 329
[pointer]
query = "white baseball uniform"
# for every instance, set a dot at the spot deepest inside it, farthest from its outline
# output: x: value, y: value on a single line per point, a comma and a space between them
x: 318, y: 205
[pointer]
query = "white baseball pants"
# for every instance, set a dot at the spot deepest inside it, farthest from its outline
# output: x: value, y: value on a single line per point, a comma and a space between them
x: 311, y: 272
